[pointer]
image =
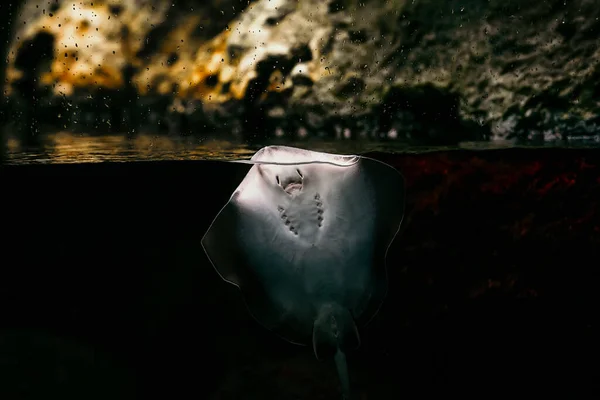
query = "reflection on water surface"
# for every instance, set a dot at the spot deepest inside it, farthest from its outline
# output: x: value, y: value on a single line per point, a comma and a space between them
x: 65, y: 147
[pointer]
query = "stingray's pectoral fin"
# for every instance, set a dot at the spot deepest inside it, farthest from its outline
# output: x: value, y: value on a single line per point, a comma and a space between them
x: 334, y: 334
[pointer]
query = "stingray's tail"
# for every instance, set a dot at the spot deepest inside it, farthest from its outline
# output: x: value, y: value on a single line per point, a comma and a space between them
x: 334, y: 334
x: 342, y: 369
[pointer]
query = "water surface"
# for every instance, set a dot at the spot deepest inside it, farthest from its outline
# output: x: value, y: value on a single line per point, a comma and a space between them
x: 67, y: 147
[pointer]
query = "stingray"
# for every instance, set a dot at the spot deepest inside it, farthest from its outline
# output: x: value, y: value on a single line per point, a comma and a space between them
x: 305, y: 237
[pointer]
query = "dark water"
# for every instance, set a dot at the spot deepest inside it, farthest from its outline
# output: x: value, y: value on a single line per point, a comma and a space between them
x: 66, y: 147
x: 105, y: 291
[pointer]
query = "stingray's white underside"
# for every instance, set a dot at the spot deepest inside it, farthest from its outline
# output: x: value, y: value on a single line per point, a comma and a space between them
x: 306, y: 228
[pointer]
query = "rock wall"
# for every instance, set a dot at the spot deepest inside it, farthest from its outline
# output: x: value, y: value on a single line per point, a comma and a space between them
x: 422, y: 71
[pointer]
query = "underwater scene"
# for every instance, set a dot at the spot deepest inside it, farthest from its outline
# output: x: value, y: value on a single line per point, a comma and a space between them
x: 299, y: 199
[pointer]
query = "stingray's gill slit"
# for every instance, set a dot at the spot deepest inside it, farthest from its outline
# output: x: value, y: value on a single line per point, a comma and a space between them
x: 319, y: 290
x: 319, y: 205
x: 286, y: 220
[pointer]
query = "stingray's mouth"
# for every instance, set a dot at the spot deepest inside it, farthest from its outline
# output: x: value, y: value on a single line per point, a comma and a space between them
x: 292, y: 185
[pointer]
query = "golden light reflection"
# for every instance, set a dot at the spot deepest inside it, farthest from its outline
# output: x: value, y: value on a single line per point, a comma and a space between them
x: 65, y: 147
x: 91, y: 44
x: 69, y: 148
x: 94, y: 44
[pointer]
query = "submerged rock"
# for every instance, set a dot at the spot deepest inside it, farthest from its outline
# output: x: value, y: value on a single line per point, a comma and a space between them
x: 425, y: 71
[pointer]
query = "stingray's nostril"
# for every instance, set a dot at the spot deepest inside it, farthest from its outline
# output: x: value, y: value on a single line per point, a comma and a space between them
x: 277, y: 177
x: 299, y: 173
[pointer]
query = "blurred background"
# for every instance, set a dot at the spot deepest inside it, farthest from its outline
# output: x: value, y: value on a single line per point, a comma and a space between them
x: 207, y: 74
